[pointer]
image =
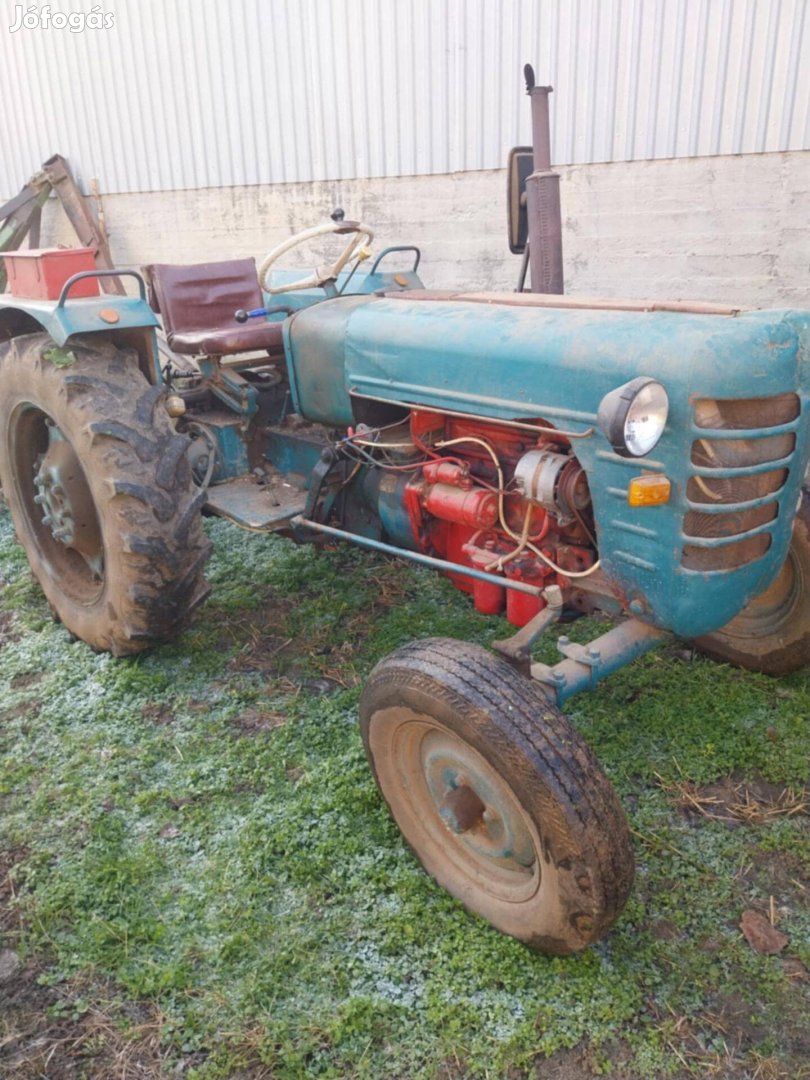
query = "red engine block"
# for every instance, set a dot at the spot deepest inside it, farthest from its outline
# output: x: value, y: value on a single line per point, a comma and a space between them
x: 458, y: 512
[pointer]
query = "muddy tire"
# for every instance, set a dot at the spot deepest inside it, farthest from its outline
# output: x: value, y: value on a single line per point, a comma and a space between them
x: 772, y: 633
x: 100, y: 492
x: 497, y: 794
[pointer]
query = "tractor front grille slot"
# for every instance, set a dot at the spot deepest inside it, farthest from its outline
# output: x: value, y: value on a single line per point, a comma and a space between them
x: 732, y: 494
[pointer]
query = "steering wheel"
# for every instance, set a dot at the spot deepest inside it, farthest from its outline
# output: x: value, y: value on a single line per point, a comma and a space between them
x: 360, y: 235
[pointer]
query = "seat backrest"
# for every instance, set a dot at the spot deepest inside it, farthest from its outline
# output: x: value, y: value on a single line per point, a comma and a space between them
x: 203, y: 296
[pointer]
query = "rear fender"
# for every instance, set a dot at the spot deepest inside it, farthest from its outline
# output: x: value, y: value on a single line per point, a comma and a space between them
x: 127, y: 320
x: 87, y: 315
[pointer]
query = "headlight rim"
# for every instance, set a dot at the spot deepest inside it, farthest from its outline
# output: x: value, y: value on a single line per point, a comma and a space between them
x: 614, y: 409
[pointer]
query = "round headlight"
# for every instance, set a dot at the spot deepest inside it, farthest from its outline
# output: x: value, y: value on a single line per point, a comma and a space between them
x: 633, y: 417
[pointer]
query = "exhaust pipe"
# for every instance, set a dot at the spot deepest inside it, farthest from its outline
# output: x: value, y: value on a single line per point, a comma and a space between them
x: 543, y: 197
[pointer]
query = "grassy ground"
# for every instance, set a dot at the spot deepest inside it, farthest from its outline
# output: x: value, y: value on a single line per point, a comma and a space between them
x: 198, y: 877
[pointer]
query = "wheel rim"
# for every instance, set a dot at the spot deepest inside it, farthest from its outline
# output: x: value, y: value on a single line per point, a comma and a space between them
x: 56, y: 502
x: 767, y: 614
x: 454, y: 807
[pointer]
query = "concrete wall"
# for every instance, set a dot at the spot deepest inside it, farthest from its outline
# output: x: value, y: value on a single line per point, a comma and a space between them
x: 733, y: 228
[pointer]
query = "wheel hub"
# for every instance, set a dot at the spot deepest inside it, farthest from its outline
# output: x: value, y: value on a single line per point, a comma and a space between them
x: 461, y: 809
x: 65, y: 499
x: 474, y: 803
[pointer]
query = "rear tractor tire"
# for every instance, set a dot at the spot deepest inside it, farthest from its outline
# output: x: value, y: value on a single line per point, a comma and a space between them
x: 100, y: 492
x: 497, y: 794
x: 772, y: 633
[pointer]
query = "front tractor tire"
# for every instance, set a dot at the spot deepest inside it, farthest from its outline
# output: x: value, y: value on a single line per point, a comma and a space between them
x: 772, y: 632
x: 100, y: 492
x: 497, y: 794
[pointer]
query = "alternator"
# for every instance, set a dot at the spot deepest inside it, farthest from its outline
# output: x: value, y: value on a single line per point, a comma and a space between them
x: 537, y: 475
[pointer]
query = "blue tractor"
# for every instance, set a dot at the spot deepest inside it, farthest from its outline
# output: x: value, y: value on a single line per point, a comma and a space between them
x: 552, y: 455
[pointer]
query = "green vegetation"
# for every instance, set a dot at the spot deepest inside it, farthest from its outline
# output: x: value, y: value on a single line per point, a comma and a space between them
x: 195, y: 833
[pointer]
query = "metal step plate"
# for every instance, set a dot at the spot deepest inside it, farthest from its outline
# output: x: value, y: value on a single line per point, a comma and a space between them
x: 252, y: 505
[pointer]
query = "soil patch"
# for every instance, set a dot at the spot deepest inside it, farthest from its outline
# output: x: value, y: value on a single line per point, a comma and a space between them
x: 7, y: 633
x: 19, y: 682
x: 739, y: 800
x: 159, y: 712
x: 586, y: 1063
x: 52, y: 1032
x: 256, y: 721
x: 24, y: 708
x: 8, y: 917
x: 780, y: 874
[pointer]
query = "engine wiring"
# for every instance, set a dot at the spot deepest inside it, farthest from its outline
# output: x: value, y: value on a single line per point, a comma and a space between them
x: 354, y: 445
x: 369, y: 459
x: 357, y: 441
x: 502, y: 516
x: 525, y: 539
x: 427, y: 451
x: 381, y: 445
x: 498, y: 564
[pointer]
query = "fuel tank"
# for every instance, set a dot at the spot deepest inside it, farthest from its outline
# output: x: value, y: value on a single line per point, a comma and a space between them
x: 687, y: 566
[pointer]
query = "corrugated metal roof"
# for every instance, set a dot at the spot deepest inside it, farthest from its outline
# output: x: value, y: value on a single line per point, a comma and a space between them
x: 204, y: 93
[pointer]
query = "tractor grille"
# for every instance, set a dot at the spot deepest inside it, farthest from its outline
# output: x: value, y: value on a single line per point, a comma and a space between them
x: 732, y: 472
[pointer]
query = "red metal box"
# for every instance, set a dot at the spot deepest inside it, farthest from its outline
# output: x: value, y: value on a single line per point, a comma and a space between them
x: 40, y: 273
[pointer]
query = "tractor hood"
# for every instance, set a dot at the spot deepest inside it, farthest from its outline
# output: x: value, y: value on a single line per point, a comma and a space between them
x: 682, y: 566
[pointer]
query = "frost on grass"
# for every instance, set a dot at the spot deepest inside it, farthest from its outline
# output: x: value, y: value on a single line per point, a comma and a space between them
x: 250, y: 883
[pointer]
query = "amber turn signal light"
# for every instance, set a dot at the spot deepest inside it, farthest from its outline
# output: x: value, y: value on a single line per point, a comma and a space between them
x: 650, y: 490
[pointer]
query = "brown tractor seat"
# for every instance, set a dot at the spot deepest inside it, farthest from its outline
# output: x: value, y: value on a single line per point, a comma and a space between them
x: 198, y: 302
